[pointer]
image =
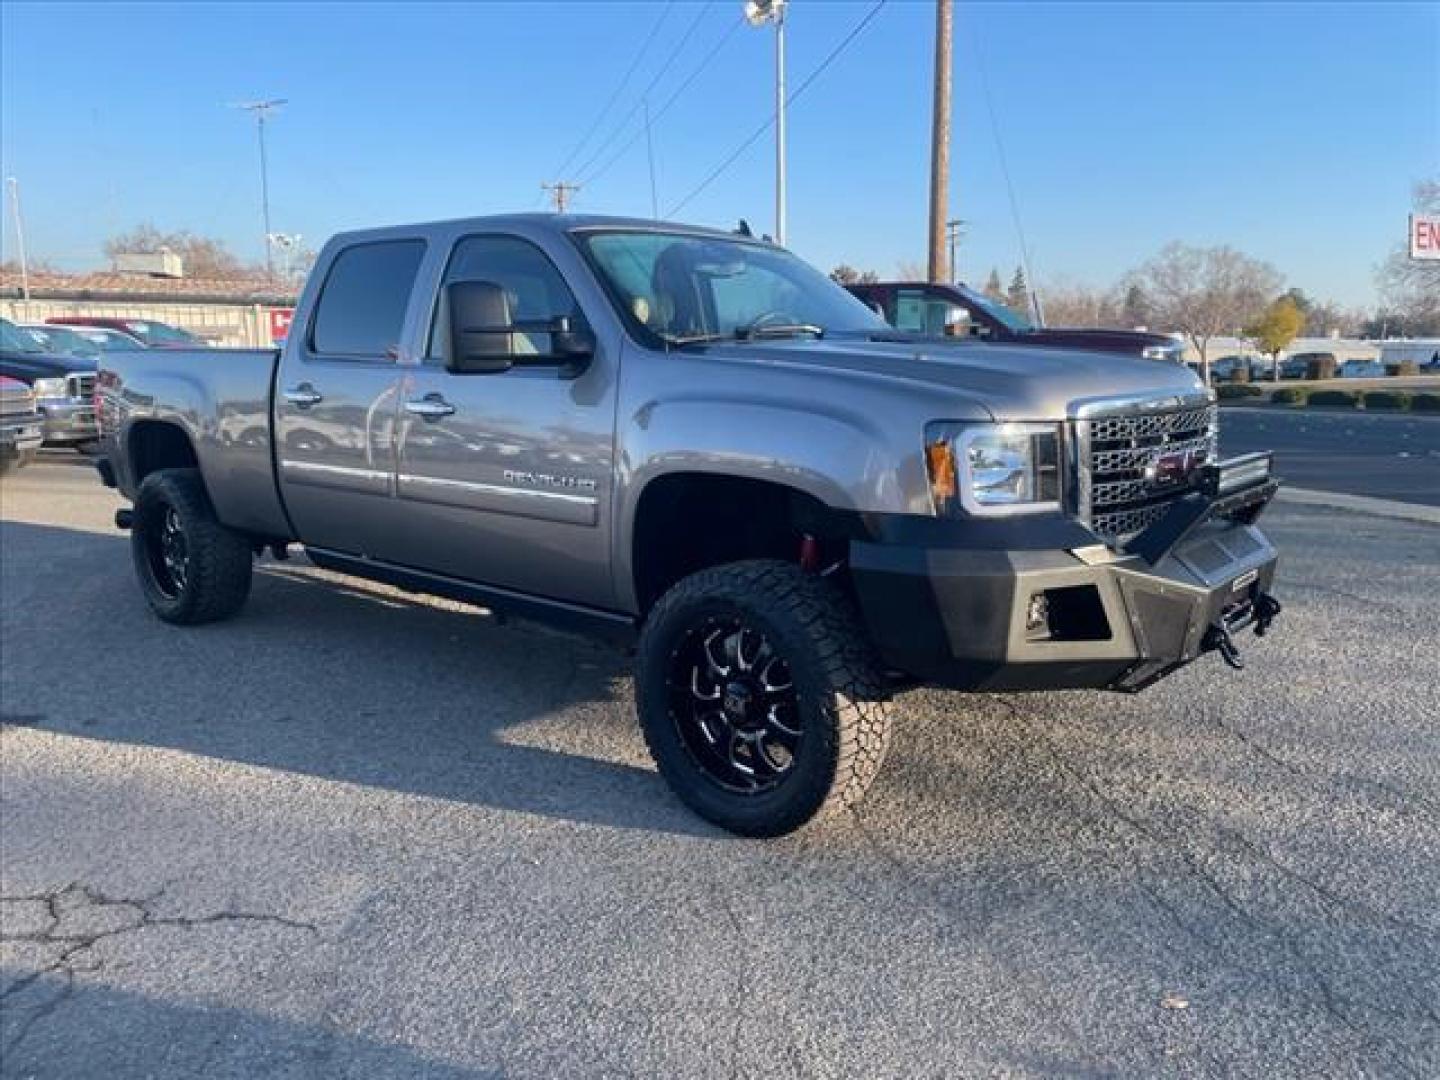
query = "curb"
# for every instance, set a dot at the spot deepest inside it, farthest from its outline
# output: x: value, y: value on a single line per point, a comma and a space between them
x: 1361, y: 504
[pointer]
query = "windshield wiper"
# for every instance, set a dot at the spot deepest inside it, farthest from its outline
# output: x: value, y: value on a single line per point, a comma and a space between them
x: 696, y: 339
x: 772, y: 330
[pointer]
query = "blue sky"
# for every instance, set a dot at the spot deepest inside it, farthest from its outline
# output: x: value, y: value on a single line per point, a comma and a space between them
x: 1291, y: 131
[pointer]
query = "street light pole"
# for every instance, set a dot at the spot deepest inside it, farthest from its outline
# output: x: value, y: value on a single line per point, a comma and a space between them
x: 14, y: 186
x: 262, y: 111
x: 758, y: 13
x: 779, y: 122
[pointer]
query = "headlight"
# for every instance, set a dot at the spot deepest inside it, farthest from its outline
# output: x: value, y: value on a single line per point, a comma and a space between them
x: 1173, y: 354
x: 990, y: 469
x: 51, y: 388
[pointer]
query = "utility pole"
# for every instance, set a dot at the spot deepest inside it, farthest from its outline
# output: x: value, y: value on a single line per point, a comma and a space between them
x: 561, y: 191
x: 758, y: 13
x: 262, y: 111
x: 14, y: 186
x: 953, y: 232
x: 940, y: 140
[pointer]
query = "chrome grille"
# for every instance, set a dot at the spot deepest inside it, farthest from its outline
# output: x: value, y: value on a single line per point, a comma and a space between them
x: 80, y: 386
x: 1115, y: 451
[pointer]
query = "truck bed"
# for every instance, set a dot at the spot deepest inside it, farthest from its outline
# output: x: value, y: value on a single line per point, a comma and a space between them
x: 220, y: 399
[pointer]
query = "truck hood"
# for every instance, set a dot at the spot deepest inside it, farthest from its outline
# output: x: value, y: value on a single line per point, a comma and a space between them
x: 1131, y: 342
x: 28, y: 366
x: 1010, y: 382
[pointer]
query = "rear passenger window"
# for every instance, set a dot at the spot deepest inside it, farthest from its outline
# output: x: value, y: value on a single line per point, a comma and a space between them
x: 362, y: 304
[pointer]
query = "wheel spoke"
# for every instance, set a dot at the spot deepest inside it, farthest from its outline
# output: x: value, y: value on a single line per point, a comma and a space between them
x: 745, y: 767
x: 776, y: 764
x: 720, y: 670
x: 772, y: 681
x: 695, y: 676
x: 778, y: 725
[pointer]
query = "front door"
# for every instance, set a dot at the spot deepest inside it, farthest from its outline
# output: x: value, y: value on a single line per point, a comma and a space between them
x: 505, y: 478
x: 337, y: 396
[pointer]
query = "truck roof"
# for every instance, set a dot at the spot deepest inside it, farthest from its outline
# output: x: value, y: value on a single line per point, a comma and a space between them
x: 562, y: 223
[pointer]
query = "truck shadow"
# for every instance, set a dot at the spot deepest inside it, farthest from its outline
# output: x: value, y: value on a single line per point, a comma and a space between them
x: 331, y: 678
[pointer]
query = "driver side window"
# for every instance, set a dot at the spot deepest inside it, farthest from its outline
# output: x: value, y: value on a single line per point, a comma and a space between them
x: 531, y: 295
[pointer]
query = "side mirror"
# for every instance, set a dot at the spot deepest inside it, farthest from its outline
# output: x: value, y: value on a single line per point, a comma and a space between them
x: 481, y: 333
x: 485, y: 340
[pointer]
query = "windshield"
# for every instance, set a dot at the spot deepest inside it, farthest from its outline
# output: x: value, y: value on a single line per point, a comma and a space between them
x: 1010, y: 319
x: 111, y: 340
x: 159, y: 333
x: 685, y: 288
x: 16, y: 340
x: 60, y: 340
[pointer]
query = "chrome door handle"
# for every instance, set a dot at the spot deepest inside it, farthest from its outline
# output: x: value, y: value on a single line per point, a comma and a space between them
x: 430, y: 407
x: 303, y: 396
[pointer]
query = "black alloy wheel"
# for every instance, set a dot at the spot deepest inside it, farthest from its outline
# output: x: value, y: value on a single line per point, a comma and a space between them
x: 735, y: 705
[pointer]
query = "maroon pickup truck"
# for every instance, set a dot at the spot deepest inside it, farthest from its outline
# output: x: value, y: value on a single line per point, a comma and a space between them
x: 958, y: 311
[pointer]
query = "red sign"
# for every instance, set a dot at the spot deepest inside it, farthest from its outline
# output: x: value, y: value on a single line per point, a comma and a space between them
x: 280, y: 323
x: 1424, y: 236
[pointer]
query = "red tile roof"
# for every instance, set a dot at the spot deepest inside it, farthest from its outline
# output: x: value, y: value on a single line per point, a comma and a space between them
x: 108, y: 285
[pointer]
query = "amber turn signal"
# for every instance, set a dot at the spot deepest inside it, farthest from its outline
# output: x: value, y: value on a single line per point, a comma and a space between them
x: 940, y: 462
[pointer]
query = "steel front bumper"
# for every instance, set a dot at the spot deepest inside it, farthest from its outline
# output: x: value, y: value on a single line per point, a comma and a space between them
x: 20, y: 433
x: 68, y: 420
x: 988, y: 611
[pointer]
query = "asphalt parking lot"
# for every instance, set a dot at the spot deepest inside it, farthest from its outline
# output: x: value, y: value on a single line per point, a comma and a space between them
x: 356, y: 833
x: 1377, y: 455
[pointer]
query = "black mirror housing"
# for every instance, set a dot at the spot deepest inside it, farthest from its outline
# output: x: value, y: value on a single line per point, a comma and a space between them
x: 483, y: 336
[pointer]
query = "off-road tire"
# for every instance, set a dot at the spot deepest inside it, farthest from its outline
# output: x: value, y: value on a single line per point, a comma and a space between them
x: 843, y: 699
x: 218, y: 561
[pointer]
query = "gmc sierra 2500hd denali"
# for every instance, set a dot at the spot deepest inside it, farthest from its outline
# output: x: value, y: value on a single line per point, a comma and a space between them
x: 695, y: 439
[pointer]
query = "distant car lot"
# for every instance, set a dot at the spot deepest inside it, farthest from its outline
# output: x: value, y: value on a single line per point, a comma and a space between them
x: 455, y: 860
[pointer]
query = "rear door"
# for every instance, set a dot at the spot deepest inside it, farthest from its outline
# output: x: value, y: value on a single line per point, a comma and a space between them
x: 336, y: 397
x: 505, y: 478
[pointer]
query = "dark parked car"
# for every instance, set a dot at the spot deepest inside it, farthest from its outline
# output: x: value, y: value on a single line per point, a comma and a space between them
x: 157, y: 335
x: 64, y: 386
x: 959, y: 311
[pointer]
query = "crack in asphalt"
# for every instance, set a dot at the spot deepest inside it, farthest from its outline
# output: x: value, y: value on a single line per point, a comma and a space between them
x: 1328, y: 999
x: 76, y: 954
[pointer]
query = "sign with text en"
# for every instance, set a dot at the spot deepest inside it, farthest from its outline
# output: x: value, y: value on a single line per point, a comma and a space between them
x: 1425, y: 236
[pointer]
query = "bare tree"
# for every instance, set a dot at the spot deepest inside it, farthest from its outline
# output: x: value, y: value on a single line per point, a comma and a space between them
x: 201, y: 256
x: 1073, y: 304
x: 1204, y: 292
x: 846, y: 274
x: 1410, y: 288
x: 909, y: 270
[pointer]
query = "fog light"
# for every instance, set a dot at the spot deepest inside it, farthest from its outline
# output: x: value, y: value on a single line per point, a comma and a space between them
x: 1037, y: 613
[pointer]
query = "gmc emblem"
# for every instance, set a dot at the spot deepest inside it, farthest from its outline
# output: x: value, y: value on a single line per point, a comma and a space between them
x: 1173, y: 468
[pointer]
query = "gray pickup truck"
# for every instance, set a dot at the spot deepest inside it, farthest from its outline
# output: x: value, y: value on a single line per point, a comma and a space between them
x: 695, y: 442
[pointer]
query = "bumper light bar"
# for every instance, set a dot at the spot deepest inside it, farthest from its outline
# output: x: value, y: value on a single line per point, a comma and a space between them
x: 1236, y: 474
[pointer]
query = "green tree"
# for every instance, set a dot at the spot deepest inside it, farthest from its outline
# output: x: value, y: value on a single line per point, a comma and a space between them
x: 993, y: 288
x: 1136, y: 310
x: 1017, y: 297
x: 1277, y: 328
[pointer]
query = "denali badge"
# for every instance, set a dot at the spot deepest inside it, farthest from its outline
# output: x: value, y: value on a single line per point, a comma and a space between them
x: 1173, y: 468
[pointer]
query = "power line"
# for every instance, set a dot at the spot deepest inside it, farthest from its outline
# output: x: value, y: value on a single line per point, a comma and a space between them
x: 655, y: 117
x: 675, y: 52
x: 1005, y: 172
x: 794, y: 95
x: 619, y: 88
